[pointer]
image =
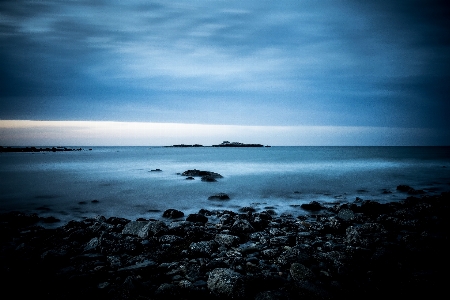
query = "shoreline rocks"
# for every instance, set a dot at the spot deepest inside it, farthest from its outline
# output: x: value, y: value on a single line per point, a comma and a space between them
x: 354, y: 250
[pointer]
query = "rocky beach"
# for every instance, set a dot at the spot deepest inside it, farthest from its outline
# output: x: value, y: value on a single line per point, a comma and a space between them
x: 354, y: 250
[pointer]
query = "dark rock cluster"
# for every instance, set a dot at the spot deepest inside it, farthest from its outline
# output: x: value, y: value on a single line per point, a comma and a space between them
x: 345, y: 251
x: 207, y: 176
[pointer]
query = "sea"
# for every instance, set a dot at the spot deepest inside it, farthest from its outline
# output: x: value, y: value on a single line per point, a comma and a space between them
x: 122, y: 181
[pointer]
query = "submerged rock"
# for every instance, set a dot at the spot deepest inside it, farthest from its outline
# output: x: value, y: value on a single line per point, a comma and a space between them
x: 219, y: 196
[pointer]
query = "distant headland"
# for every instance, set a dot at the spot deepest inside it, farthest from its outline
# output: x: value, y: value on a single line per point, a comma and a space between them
x: 223, y: 144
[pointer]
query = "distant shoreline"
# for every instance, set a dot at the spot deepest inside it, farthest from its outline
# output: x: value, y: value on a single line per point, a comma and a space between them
x: 35, y: 149
x: 223, y: 144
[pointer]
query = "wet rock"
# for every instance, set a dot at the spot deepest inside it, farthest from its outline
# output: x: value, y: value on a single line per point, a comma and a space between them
x: 247, y: 209
x: 409, y: 190
x: 203, y: 248
x: 365, y: 235
x: 197, y: 218
x: 227, y: 240
x: 346, y: 215
x: 153, y: 228
x: 139, y: 266
x: 167, y: 291
x: 92, y: 245
x: 226, y: 283
x: 49, y: 220
x: 281, y: 240
x: 199, y: 173
x: 313, y: 205
x: 271, y: 295
x: 242, y: 227
x: 170, y: 239
x: 133, y: 228
x: 299, y: 272
x: 219, y: 196
x: 293, y: 255
x: 209, y: 178
x: 173, y: 214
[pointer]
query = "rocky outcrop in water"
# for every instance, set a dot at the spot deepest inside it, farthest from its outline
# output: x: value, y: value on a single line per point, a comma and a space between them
x: 206, y: 176
x: 346, y: 250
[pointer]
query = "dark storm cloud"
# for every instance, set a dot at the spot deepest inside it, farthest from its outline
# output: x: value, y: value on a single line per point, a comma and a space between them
x: 357, y: 63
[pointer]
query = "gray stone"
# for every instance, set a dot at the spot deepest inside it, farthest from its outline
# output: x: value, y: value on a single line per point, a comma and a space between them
x: 92, y: 245
x: 139, y: 266
x: 226, y: 283
x: 133, y: 227
x: 226, y: 240
x: 203, y: 248
x: 242, y: 226
x: 299, y: 272
x: 170, y: 239
x: 346, y: 215
x: 279, y: 240
x: 153, y: 228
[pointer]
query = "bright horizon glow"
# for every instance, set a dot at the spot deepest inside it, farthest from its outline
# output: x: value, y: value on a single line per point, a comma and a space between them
x: 110, y: 133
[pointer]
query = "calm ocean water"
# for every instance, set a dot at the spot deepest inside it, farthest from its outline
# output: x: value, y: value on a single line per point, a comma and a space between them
x: 64, y: 184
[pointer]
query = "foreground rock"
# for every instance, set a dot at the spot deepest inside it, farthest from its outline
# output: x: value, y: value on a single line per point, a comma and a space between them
x: 354, y: 250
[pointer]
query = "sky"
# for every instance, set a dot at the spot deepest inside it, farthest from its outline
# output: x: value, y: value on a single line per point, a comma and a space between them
x: 328, y: 72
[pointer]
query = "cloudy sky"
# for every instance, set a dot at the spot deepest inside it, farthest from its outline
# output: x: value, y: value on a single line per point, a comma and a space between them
x: 303, y: 72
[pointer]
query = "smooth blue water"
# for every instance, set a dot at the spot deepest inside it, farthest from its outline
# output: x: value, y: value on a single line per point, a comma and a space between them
x: 63, y: 184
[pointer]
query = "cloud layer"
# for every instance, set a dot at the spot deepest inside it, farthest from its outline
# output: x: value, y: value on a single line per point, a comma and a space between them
x: 289, y: 63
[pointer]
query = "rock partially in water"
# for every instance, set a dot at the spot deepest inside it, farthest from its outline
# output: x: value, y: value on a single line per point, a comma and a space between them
x: 313, y: 205
x: 173, y: 214
x: 219, y: 196
x: 199, y: 173
x: 197, y: 218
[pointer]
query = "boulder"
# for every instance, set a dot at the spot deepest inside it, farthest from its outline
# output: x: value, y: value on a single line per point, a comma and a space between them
x: 153, y: 228
x: 173, y: 214
x: 299, y: 272
x: 133, y: 227
x: 346, y: 215
x: 224, y: 282
x: 242, y: 227
x: 202, y: 248
x: 313, y: 205
x: 226, y: 240
x: 197, y: 218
